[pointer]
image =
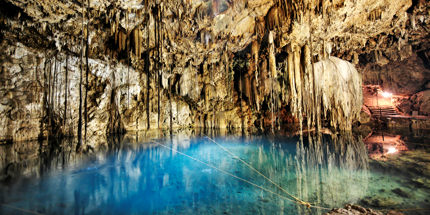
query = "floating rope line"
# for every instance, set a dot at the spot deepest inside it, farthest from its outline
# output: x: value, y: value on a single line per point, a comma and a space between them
x: 239, y: 178
x: 307, y: 204
x: 20, y: 209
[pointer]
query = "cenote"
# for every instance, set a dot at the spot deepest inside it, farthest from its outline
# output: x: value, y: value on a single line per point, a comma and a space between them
x: 153, y: 176
x: 215, y: 107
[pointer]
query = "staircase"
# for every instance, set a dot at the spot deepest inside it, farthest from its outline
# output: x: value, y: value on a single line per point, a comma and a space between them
x: 384, y: 111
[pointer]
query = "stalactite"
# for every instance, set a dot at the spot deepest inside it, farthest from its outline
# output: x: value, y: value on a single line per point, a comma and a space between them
x: 242, y: 122
x: 49, y: 101
x: 58, y: 94
x: 160, y: 77
x: 87, y: 71
x: 272, y: 59
x: 228, y: 74
x: 123, y: 41
x: 156, y: 56
x: 65, y: 93
x: 54, y: 80
x: 316, y: 104
x: 80, y: 83
x: 136, y: 42
x: 120, y: 41
x: 170, y: 105
x: 248, y: 84
x: 128, y: 61
x: 147, y: 74
x: 308, y: 88
x: 211, y: 97
x: 160, y: 42
x: 291, y: 82
x: 54, y: 83
x: 272, y: 109
x: 206, y: 83
x: 298, y: 84
x: 285, y: 84
x: 44, y: 101
x: 272, y: 74
x: 355, y: 59
x: 139, y: 36
x: 255, y: 49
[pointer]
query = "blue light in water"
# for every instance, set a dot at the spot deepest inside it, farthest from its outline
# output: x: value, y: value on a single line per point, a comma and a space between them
x: 146, y: 179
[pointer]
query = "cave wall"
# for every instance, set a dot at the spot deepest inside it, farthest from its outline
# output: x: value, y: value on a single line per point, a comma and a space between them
x: 34, y: 85
x: 407, y: 76
x: 222, y: 64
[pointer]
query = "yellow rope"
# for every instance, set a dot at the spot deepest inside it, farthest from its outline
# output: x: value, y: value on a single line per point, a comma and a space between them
x: 20, y: 209
x: 307, y: 204
x: 237, y: 177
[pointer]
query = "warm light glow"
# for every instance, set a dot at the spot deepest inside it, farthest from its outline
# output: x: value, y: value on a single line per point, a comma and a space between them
x: 391, y: 150
x: 386, y: 94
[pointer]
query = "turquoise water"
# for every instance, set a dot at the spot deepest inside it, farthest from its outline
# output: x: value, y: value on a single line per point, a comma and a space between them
x: 146, y: 178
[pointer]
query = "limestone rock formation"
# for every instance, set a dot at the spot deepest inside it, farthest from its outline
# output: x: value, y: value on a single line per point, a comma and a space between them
x: 418, y: 103
x: 339, y: 86
x: 251, y: 64
x: 404, y: 77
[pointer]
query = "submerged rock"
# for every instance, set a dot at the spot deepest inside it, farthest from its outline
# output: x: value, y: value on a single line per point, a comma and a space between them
x: 421, y: 182
x: 401, y: 193
x: 379, y: 202
x: 358, y: 210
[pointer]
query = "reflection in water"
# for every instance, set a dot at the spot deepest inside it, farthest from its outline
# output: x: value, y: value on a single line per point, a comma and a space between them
x: 332, y: 170
x: 130, y: 176
x: 381, y: 146
x: 33, y: 158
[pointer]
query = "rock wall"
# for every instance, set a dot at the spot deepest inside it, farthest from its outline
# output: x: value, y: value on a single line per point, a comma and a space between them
x: 34, y: 90
x: 418, y: 103
x: 407, y: 76
x: 204, y: 63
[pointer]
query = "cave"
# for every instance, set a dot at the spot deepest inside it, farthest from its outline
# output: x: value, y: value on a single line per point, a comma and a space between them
x: 214, y: 107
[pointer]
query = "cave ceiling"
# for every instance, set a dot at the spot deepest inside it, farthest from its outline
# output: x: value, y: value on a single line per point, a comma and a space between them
x: 193, y: 31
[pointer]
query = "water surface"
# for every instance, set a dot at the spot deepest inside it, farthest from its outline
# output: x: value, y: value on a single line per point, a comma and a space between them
x: 143, y: 177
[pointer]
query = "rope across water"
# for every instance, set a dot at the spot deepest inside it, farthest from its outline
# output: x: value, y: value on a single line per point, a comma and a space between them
x: 21, y: 209
x: 308, y: 205
x: 294, y: 199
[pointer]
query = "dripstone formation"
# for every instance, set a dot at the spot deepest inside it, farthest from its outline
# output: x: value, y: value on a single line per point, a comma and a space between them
x: 98, y: 67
